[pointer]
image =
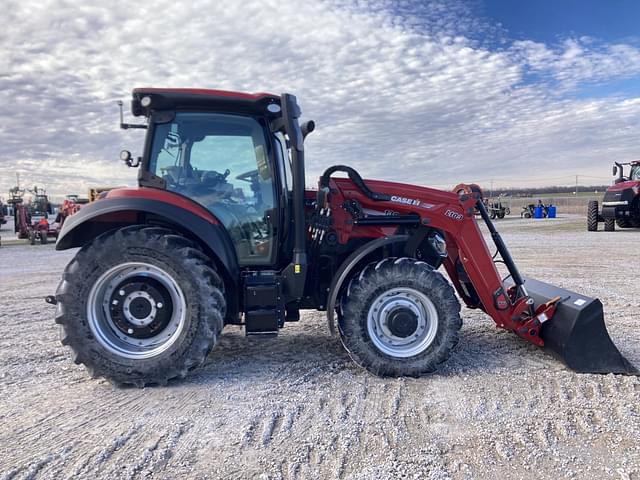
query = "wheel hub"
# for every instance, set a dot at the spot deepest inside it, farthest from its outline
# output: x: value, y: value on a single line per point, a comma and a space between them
x: 139, y: 307
x: 136, y: 310
x: 403, y: 322
x: 134, y: 303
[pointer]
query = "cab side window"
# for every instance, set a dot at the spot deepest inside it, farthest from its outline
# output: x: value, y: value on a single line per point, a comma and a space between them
x: 221, y: 162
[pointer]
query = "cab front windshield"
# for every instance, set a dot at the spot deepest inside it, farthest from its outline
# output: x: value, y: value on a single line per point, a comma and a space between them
x: 221, y: 162
x: 635, y: 173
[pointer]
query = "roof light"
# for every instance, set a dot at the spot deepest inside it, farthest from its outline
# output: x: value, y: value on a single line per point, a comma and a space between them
x: 274, y: 108
x: 145, y: 102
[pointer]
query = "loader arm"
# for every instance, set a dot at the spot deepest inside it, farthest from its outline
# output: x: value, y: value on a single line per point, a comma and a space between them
x: 469, y: 262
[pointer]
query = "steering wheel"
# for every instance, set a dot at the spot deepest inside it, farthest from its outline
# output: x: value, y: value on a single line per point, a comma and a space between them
x: 211, y: 177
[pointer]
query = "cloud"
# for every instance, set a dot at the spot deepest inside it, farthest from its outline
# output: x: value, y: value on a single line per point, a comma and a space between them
x: 577, y: 61
x: 409, y: 91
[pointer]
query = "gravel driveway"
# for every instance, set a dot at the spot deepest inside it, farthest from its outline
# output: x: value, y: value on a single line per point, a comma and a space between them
x: 295, y: 406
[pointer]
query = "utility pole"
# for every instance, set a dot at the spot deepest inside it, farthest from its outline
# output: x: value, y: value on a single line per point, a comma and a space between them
x: 491, y: 191
x: 576, y: 192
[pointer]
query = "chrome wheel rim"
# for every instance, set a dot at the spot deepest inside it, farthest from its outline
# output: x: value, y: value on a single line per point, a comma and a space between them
x: 402, y: 322
x: 136, y: 310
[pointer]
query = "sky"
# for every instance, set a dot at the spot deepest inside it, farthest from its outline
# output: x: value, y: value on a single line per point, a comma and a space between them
x: 426, y: 92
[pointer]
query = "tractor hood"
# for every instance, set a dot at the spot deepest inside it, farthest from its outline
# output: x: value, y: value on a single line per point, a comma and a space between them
x: 617, y: 187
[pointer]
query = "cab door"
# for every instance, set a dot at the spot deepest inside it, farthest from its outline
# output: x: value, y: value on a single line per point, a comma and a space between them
x: 222, y: 162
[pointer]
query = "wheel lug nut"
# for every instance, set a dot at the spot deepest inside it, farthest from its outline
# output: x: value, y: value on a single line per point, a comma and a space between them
x: 115, y: 302
x: 121, y: 292
x: 159, y: 304
x: 130, y: 331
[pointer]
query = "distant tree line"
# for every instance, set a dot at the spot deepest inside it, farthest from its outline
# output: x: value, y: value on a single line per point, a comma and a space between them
x: 533, y: 191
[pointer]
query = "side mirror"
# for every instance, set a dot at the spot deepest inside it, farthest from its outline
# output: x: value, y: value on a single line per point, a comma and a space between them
x: 125, y: 156
x: 307, y: 127
x: 615, y: 170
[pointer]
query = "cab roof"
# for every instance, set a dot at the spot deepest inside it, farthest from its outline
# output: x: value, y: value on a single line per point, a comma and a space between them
x: 201, y: 99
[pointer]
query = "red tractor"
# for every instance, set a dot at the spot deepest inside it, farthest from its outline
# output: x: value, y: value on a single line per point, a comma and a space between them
x: 31, y: 220
x: 221, y: 230
x: 621, y: 203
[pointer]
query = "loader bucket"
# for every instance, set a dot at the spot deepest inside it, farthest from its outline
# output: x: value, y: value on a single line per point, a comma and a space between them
x: 576, y: 333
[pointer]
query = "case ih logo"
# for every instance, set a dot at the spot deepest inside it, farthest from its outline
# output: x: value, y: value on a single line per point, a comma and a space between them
x: 406, y: 201
x: 454, y: 215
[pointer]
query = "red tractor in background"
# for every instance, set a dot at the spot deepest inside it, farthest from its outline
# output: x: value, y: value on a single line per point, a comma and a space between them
x: 621, y: 202
x: 221, y: 231
x: 31, y: 219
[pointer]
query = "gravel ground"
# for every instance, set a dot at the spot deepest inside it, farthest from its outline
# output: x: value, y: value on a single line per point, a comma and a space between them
x: 297, y: 407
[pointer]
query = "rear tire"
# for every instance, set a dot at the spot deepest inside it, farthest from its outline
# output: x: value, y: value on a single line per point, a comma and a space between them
x: 592, y: 216
x: 609, y: 224
x: 170, y: 330
x: 400, y: 317
x: 43, y: 238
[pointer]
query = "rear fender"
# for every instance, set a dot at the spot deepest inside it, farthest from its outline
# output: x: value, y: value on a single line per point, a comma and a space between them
x: 197, y: 224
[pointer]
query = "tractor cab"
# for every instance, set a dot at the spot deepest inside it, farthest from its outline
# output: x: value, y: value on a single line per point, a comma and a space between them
x: 226, y: 164
x: 634, y: 171
x: 228, y: 152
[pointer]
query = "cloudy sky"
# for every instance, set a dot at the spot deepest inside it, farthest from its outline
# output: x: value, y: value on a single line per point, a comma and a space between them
x: 429, y: 92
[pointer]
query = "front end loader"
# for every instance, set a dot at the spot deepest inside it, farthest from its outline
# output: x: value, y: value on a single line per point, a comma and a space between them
x: 221, y: 230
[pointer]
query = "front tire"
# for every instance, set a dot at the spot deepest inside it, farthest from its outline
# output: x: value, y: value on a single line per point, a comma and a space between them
x: 400, y: 317
x: 592, y: 216
x: 609, y: 224
x: 140, y: 305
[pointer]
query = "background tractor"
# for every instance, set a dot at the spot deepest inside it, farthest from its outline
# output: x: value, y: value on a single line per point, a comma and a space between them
x: 221, y: 230
x: 31, y: 219
x: 621, y: 203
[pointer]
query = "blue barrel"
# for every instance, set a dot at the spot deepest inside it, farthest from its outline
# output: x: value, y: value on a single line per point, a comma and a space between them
x: 551, y: 212
x: 538, y: 212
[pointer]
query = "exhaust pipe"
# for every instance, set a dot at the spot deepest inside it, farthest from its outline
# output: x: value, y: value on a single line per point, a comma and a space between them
x: 576, y: 334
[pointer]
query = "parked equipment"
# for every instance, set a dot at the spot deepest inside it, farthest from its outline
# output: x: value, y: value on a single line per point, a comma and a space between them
x: 498, y: 207
x: 31, y: 219
x: 532, y: 210
x: 3, y: 213
x: 222, y: 231
x: 95, y: 192
x: 621, y: 203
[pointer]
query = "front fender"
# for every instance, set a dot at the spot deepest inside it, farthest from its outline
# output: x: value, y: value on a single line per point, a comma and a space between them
x: 347, y: 268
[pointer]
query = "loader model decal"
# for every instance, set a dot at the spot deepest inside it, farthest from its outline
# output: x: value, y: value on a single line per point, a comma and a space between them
x: 454, y: 215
